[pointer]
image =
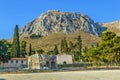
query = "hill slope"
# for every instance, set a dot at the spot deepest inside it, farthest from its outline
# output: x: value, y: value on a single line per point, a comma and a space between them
x: 113, y: 26
x: 47, y: 42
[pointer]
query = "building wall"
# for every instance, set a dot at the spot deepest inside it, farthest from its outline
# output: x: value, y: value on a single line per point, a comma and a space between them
x: 64, y: 59
x: 34, y: 62
x: 16, y: 62
x: 24, y: 62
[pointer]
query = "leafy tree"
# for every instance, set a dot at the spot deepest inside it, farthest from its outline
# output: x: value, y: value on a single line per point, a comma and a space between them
x: 4, y: 53
x: 85, y: 49
x: 6, y: 48
x: 16, y: 43
x: 92, y: 55
x: 107, y: 51
x: 107, y: 35
x: 1, y: 51
x: 108, y: 46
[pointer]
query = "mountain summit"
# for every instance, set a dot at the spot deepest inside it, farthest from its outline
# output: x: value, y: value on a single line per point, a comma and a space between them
x: 55, y: 21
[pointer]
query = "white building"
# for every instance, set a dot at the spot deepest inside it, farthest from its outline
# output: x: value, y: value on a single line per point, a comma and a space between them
x: 16, y: 63
x: 64, y: 59
x: 39, y: 61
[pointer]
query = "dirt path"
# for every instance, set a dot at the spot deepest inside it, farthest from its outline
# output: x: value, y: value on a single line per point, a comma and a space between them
x: 73, y: 75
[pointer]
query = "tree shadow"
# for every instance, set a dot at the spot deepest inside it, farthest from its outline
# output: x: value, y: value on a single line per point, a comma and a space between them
x: 2, y: 79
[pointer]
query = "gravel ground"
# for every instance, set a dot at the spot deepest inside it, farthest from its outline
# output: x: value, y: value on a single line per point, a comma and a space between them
x: 72, y: 75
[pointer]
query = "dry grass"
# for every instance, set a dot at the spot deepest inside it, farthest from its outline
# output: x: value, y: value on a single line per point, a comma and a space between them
x: 47, y: 42
x: 114, y: 27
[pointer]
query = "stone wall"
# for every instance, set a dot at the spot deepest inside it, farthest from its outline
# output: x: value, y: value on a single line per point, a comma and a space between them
x: 34, y: 62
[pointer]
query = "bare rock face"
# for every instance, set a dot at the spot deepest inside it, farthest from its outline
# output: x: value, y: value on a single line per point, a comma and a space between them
x: 61, y: 22
x: 113, y: 26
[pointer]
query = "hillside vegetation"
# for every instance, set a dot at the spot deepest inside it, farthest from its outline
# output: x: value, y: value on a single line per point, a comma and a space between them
x: 47, y: 42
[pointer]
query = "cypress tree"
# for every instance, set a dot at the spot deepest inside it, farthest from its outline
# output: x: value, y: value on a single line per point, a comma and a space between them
x: 30, y: 49
x: 65, y: 46
x: 79, y: 44
x: 23, y: 48
x: 56, y: 50
x: 62, y: 46
x: 16, y: 43
x: 78, y: 48
x: 71, y: 47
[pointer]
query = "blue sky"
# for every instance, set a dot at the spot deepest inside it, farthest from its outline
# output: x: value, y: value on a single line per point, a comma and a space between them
x: 20, y: 12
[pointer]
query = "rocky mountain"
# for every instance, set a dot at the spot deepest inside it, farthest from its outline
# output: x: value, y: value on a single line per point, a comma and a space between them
x: 113, y: 26
x: 55, y: 21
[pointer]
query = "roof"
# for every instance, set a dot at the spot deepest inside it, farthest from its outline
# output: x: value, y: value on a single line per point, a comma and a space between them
x: 64, y: 54
x: 19, y: 59
x: 50, y: 57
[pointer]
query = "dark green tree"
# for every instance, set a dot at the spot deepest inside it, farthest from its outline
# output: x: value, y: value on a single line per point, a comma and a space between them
x: 33, y: 51
x: 108, y: 50
x: 79, y: 44
x: 56, y: 52
x: 51, y: 52
x: 23, y: 49
x: 30, y: 49
x: 108, y: 41
x: 62, y: 46
x: 107, y: 36
x: 1, y: 52
x: 70, y: 46
x: 84, y: 50
x: 78, y: 50
x: 65, y: 45
x: 41, y: 51
x: 16, y: 43
x: 92, y: 55
x: 6, y: 48
x: 4, y: 54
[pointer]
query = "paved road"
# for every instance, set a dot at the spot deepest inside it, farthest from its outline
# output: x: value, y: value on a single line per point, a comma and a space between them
x: 72, y: 75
